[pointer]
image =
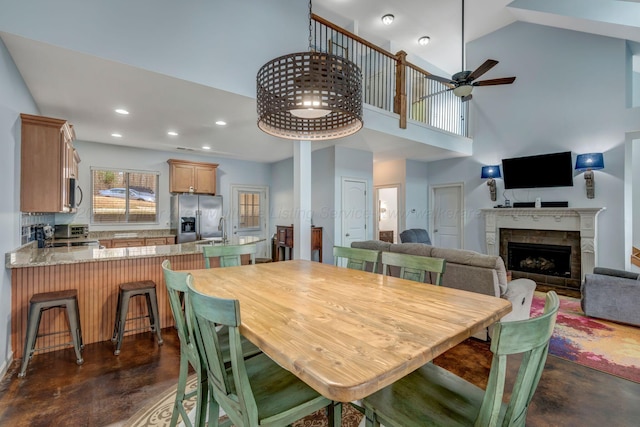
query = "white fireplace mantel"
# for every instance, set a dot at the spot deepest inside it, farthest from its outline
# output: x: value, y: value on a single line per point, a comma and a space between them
x: 583, y: 220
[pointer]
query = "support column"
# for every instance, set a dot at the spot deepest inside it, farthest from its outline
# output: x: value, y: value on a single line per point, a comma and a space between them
x: 302, y: 200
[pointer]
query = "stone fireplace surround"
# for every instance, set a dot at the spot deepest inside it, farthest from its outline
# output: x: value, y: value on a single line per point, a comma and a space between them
x: 563, y: 239
x: 582, y: 220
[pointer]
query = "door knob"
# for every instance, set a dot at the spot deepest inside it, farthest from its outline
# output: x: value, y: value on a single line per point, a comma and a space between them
x: 435, y: 231
x: 347, y: 234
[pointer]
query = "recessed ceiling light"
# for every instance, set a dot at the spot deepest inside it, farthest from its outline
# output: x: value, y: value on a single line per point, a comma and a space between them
x: 423, y: 41
x: 387, y: 19
x: 122, y: 111
x: 221, y: 123
x: 116, y: 135
x: 172, y: 133
x: 206, y: 147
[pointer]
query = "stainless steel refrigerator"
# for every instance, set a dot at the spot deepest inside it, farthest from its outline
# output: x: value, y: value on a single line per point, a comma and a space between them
x: 196, y: 217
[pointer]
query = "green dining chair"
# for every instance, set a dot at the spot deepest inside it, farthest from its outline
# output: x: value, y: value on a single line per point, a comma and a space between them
x: 357, y: 258
x: 414, y: 267
x: 176, y: 282
x: 432, y: 396
x: 229, y: 255
x: 252, y: 392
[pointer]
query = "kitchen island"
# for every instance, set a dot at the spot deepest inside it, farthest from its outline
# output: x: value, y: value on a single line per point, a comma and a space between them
x: 96, y: 274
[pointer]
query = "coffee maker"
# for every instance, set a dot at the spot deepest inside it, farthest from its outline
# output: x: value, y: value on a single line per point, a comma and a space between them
x: 43, y: 235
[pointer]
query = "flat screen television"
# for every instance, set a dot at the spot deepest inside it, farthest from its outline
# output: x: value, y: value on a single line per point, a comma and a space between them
x: 545, y: 170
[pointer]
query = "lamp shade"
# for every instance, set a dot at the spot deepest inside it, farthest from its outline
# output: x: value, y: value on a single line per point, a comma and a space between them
x: 491, y: 172
x: 309, y: 96
x: 590, y: 161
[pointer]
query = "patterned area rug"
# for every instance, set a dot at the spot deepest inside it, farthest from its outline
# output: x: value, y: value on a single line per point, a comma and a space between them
x: 610, y: 347
x: 158, y: 413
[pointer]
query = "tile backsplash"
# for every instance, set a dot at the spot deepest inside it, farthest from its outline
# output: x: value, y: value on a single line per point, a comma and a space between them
x: 28, y: 221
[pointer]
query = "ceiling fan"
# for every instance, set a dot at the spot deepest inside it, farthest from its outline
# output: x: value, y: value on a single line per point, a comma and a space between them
x: 463, y: 82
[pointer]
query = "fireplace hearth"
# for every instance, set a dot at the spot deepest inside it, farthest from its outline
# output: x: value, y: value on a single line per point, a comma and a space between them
x: 550, y: 260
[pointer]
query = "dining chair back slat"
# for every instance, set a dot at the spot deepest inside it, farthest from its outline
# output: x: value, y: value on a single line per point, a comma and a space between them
x: 176, y: 283
x: 229, y: 255
x: 254, y: 391
x: 425, y: 396
x: 414, y: 267
x: 357, y: 259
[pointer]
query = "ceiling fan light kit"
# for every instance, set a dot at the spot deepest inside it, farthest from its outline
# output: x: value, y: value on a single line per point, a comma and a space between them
x: 463, y: 90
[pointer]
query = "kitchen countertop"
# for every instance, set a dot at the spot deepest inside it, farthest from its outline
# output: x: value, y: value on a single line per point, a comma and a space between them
x: 30, y: 255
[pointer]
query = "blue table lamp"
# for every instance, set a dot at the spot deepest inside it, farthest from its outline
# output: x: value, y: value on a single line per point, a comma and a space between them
x: 489, y: 173
x: 587, y: 163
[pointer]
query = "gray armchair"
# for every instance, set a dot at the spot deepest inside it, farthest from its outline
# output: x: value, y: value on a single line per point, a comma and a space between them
x: 612, y: 295
x: 415, y: 235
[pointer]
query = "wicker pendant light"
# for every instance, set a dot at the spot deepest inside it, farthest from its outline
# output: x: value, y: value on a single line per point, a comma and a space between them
x: 309, y: 96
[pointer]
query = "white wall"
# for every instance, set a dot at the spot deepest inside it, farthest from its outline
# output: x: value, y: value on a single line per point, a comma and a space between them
x: 15, y: 98
x: 417, y: 200
x: 569, y: 96
x: 281, y: 194
x: 636, y: 191
x: 322, y: 189
x: 207, y: 41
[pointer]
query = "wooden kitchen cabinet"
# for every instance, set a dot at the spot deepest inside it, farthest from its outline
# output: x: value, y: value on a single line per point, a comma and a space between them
x: 196, y: 177
x: 49, y: 165
x: 127, y: 243
x: 157, y: 241
x: 138, y: 241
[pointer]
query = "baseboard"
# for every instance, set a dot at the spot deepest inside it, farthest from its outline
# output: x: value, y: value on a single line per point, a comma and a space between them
x: 5, y: 365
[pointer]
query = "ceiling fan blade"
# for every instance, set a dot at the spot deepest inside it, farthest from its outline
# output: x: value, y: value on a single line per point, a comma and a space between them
x: 443, y: 80
x: 434, y: 94
x: 493, y: 82
x: 466, y: 98
x: 488, y: 64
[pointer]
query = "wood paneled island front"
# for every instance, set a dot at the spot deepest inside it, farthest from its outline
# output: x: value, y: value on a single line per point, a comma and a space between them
x: 96, y: 274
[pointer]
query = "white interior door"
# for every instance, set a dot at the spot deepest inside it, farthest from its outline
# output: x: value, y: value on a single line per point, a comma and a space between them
x: 249, y: 208
x: 447, y: 208
x: 354, y: 211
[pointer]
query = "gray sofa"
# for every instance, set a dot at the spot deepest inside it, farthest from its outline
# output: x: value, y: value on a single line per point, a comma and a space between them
x: 469, y: 271
x: 612, y: 294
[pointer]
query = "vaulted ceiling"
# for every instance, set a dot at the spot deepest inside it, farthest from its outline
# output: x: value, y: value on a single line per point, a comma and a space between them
x: 59, y: 79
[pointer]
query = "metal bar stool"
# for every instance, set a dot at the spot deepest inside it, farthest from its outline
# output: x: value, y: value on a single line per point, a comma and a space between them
x: 38, y: 303
x: 146, y: 288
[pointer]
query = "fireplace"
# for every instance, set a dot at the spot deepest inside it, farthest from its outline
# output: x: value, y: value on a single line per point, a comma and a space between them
x: 548, y: 257
x: 550, y: 260
x: 570, y: 227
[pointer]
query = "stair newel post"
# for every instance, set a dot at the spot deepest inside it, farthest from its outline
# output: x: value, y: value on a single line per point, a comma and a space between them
x: 400, y: 99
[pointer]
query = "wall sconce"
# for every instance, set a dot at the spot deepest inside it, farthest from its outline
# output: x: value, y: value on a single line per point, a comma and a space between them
x: 491, y: 172
x: 587, y: 163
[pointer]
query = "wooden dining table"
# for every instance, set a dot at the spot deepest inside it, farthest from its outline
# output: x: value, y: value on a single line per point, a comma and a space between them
x: 347, y: 333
